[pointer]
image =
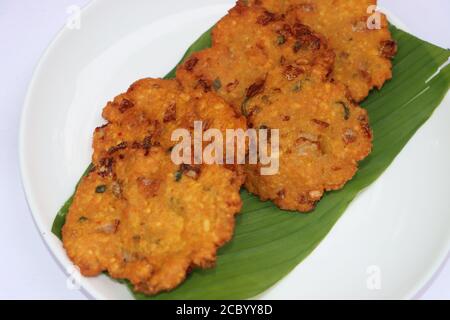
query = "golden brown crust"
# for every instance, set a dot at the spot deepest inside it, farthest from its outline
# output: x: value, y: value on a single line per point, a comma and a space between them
x: 139, y: 216
x: 363, y: 55
x: 157, y: 107
x: 247, y: 44
x: 283, y: 84
x: 322, y: 137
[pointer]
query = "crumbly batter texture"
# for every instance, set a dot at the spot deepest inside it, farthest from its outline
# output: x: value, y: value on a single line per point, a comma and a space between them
x: 139, y: 216
x: 322, y: 136
x: 247, y: 44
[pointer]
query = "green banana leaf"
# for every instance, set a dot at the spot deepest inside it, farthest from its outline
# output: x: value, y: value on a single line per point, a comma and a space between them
x: 269, y: 242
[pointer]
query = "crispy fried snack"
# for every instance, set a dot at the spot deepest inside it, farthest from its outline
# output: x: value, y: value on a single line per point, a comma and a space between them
x: 283, y: 84
x: 139, y: 216
x: 322, y: 137
x: 247, y: 44
x: 152, y: 109
x: 359, y: 36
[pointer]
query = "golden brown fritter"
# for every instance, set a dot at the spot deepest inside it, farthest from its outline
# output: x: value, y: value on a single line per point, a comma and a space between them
x: 247, y: 44
x: 139, y: 216
x: 284, y: 85
x: 363, y: 55
x: 152, y: 109
x: 322, y: 137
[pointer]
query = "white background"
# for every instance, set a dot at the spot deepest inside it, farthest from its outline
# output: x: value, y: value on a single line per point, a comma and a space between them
x: 26, y: 28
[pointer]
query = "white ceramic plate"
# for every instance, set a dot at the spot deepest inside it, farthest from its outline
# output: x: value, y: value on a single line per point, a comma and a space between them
x: 389, y: 243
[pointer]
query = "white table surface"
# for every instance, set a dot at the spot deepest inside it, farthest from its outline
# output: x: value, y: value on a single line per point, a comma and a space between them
x: 26, y: 28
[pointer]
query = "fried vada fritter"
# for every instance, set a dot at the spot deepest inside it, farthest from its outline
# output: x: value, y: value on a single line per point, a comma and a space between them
x: 363, y: 55
x: 150, y: 221
x: 139, y: 216
x: 152, y: 109
x: 322, y: 136
x: 284, y: 85
x: 247, y: 44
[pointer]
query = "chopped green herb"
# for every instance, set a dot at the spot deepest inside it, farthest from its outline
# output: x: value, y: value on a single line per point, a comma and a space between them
x: 346, y: 109
x: 82, y: 219
x: 178, y: 175
x: 100, y: 189
x: 281, y: 40
x: 297, y: 87
x: 297, y: 46
x: 217, y: 84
